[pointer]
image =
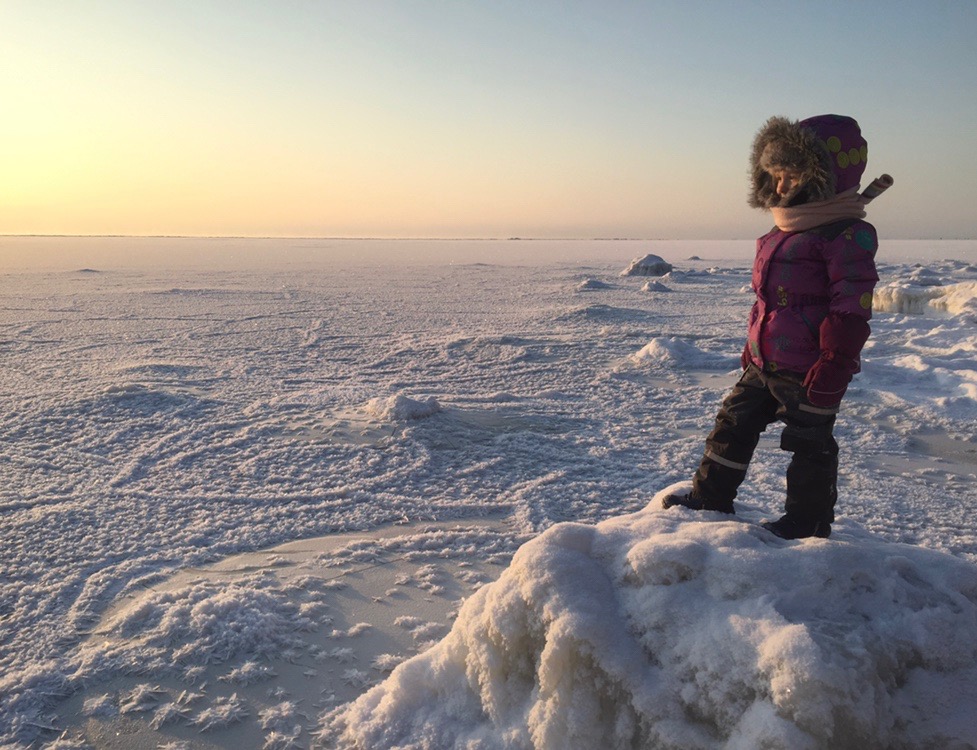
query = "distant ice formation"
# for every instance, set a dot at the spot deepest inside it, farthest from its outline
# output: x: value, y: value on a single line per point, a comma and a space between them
x: 917, y: 299
x: 649, y: 265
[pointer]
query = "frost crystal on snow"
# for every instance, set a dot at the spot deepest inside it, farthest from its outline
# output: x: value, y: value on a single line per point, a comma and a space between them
x: 284, y: 740
x: 213, y: 622
x: 193, y: 675
x: 68, y: 743
x: 168, y: 712
x: 356, y: 678
x: 279, y: 718
x: 431, y: 578
x: 141, y: 698
x: 188, y: 698
x: 419, y: 629
x: 408, y: 622
x: 386, y: 662
x: 223, y: 713
x: 343, y: 655
x: 100, y: 706
x: 314, y: 612
x: 249, y: 673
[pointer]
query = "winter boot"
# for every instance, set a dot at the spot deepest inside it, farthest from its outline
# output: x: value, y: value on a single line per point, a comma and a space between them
x: 790, y: 527
x: 694, y: 502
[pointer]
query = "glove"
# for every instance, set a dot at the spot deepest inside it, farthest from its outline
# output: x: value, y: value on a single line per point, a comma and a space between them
x: 828, y: 379
x: 842, y: 339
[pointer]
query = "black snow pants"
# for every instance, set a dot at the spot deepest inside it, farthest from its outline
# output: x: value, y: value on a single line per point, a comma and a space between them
x: 757, y: 400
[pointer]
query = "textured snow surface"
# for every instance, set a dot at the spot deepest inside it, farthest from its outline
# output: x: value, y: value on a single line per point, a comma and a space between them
x: 672, y: 629
x: 167, y: 404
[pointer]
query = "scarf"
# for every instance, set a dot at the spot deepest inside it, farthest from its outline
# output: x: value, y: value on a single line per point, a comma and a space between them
x: 846, y: 205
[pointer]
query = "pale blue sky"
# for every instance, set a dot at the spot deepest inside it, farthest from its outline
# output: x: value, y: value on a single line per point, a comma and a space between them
x: 495, y: 118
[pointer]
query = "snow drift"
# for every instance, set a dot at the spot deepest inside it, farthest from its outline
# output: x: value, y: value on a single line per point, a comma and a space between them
x: 675, y: 354
x: 401, y: 408
x: 654, y: 286
x: 672, y: 629
x: 593, y: 285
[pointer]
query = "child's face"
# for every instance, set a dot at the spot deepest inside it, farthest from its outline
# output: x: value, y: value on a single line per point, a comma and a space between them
x: 785, y: 179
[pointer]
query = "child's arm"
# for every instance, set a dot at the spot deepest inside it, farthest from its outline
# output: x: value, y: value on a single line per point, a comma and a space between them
x: 850, y: 264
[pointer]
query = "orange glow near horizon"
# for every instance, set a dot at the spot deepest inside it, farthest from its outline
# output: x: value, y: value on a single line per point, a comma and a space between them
x: 460, y: 120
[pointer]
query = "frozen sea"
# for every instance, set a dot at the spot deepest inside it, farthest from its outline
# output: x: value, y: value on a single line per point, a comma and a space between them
x: 167, y: 404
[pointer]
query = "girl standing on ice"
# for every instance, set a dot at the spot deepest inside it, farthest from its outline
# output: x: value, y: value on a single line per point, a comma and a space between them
x: 813, y: 276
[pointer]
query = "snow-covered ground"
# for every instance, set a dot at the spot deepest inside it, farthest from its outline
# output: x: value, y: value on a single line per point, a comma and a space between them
x: 167, y: 404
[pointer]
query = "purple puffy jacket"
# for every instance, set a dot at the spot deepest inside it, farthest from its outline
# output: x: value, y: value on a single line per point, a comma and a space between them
x: 813, y: 288
x: 814, y: 293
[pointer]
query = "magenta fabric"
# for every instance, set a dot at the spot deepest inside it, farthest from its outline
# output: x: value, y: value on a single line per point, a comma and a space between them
x: 827, y: 382
x: 800, y: 278
x: 843, y: 336
x: 842, y: 339
x: 847, y: 150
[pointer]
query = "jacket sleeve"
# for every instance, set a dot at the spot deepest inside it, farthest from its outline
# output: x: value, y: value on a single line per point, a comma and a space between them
x: 850, y: 265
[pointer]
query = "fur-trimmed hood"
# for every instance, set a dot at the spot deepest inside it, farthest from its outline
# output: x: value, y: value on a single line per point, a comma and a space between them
x: 828, y: 150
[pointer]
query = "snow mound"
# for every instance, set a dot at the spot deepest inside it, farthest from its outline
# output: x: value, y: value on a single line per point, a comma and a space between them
x: 676, y: 354
x: 923, y: 276
x: 593, y: 285
x: 674, y: 629
x: 649, y: 265
x: 602, y: 313
x: 669, y: 348
x: 654, y: 286
x: 915, y: 299
x: 401, y: 408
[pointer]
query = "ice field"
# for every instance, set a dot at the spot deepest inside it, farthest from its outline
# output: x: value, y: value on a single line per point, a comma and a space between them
x: 396, y: 419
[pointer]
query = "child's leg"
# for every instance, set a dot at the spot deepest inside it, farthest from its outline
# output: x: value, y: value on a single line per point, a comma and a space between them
x: 812, y: 476
x: 745, y: 413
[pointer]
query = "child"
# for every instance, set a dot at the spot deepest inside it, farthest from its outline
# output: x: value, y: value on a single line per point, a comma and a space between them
x: 813, y: 276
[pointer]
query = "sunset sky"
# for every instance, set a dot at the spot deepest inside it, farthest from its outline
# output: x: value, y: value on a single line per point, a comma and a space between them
x: 497, y: 118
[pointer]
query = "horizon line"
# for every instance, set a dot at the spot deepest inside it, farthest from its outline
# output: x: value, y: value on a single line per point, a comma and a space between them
x: 364, y: 237
x: 424, y: 239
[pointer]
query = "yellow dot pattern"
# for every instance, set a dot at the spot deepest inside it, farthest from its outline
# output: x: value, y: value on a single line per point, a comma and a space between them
x: 853, y: 157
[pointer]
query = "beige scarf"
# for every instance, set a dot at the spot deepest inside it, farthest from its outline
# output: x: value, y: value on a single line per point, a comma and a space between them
x: 846, y: 205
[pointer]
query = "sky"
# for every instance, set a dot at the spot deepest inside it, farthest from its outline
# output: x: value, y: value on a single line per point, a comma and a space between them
x: 413, y: 118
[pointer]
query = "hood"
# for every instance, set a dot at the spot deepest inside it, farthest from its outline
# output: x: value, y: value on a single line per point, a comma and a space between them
x: 828, y: 150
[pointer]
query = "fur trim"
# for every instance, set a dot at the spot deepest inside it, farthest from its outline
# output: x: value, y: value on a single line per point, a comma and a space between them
x: 784, y: 143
